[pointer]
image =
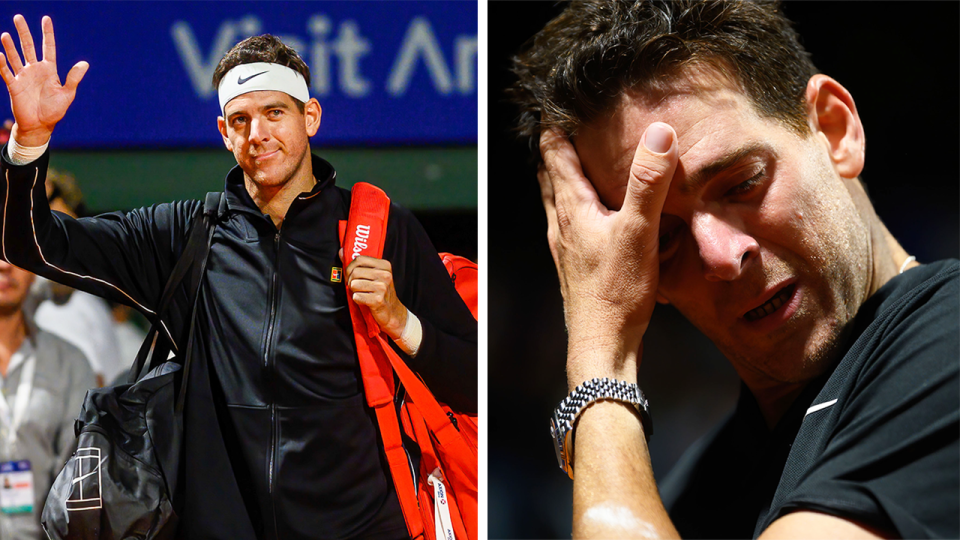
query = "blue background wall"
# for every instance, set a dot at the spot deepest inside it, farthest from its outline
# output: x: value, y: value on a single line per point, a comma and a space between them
x: 384, y: 72
x: 397, y: 81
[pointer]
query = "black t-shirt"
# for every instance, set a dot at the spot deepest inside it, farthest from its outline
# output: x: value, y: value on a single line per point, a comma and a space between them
x: 874, y: 440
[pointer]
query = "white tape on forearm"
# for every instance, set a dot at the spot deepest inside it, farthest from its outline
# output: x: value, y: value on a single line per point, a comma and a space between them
x: 412, y: 335
x: 22, y: 155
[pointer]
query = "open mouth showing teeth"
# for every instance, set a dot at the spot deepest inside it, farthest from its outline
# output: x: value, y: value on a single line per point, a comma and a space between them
x: 771, y: 305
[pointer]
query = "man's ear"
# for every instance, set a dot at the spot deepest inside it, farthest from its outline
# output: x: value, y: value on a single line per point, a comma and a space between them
x: 832, y: 113
x: 311, y: 113
x: 222, y: 126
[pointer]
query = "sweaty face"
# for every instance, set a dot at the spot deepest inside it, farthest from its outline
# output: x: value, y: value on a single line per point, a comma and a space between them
x: 14, y: 286
x: 761, y: 245
x: 268, y: 135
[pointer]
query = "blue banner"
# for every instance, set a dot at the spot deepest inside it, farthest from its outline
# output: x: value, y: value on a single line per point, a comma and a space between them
x: 385, y: 73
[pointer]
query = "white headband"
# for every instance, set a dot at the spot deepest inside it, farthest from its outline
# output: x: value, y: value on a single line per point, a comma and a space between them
x: 261, y: 76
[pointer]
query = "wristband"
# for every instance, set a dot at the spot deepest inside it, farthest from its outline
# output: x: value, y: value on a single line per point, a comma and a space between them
x: 412, y: 335
x: 22, y: 155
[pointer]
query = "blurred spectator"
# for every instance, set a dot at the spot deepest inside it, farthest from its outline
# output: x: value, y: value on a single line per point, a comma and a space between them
x: 84, y: 320
x: 64, y: 193
x: 129, y: 335
x: 44, y: 379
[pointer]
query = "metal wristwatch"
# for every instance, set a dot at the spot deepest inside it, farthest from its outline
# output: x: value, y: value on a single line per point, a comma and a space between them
x: 565, y: 415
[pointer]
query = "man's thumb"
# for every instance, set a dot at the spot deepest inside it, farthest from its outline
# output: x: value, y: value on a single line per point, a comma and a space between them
x: 76, y: 75
x: 652, y: 170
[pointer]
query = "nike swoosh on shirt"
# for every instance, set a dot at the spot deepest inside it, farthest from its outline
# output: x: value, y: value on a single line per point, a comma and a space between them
x: 241, y: 80
x: 820, y: 407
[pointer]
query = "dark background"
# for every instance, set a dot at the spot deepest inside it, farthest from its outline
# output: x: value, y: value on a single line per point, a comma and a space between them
x: 899, y: 60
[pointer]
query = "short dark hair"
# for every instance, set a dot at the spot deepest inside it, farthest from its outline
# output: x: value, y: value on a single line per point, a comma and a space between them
x: 581, y: 62
x: 264, y: 48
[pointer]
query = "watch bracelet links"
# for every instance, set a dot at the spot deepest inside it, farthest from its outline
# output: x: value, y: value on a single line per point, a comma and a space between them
x: 585, y: 394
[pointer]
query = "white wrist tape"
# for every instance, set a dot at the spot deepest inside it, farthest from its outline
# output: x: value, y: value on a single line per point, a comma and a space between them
x: 261, y: 76
x: 22, y: 155
x: 412, y: 335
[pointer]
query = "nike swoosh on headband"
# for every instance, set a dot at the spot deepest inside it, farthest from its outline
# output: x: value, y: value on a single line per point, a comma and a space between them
x: 269, y: 77
x: 241, y: 80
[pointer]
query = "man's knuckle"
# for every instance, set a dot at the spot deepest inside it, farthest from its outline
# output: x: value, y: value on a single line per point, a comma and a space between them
x: 563, y: 220
x: 647, y: 173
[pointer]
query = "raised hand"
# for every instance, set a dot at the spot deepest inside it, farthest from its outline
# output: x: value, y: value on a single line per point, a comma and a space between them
x: 37, y: 98
x: 608, y: 261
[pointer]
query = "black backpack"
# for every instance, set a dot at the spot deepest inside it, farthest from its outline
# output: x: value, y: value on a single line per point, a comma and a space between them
x: 121, y: 481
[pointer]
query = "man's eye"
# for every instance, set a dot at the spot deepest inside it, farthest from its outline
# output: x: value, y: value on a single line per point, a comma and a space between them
x: 671, y: 228
x: 748, y: 185
x: 666, y: 239
x: 275, y: 113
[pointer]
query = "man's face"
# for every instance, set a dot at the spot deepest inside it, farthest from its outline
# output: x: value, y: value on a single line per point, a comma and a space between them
x: 268, y: 135
x: 14, y: 287
x: 761, y: 245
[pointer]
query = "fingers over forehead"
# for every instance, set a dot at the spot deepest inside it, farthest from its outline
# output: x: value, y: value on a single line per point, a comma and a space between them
x: 554, y: 146
x: 549, y: 205
x: 550, y: 208
x: 562, y: 163
x: 546, y: 186
x: 546, y: 194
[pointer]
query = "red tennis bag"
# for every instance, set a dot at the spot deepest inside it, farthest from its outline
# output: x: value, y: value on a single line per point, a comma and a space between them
x: 442, y: 504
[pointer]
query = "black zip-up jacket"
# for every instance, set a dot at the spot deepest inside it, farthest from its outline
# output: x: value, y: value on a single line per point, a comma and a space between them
x: 279, y: 441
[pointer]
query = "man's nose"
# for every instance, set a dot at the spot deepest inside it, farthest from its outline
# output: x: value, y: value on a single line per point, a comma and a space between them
x: 725, y: 248
x: 258, y: 131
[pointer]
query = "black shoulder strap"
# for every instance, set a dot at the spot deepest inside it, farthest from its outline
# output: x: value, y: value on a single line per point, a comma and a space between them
x: 196, y: 251
x: 215, y: 203
x: 214, y: 207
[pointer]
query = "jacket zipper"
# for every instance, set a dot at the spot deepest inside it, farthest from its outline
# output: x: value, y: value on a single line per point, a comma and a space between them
x: 271, y: 373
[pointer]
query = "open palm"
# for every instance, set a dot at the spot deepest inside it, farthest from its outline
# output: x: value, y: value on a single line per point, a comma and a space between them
x: 37, y: 98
